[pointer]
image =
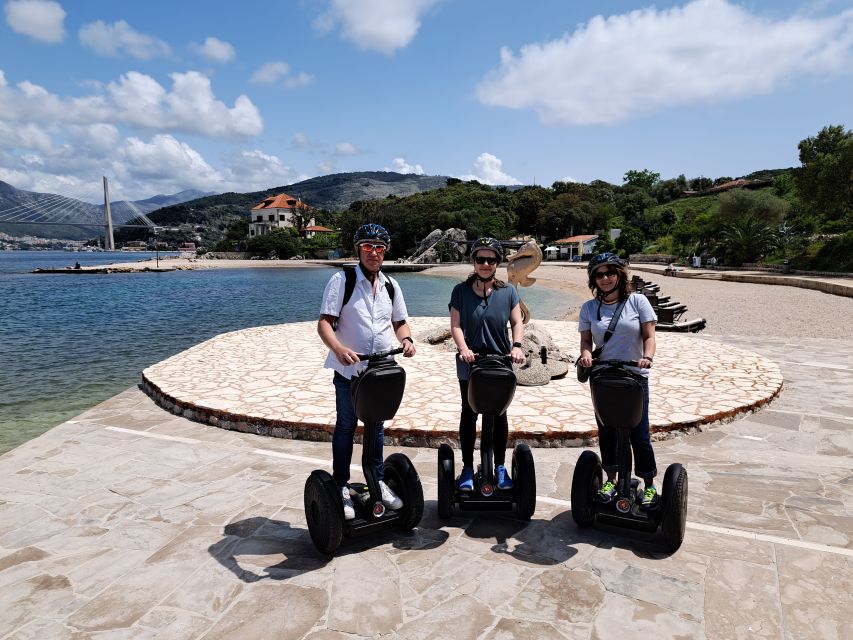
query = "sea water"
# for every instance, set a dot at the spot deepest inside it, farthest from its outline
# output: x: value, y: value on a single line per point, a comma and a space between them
x: 70, y: 341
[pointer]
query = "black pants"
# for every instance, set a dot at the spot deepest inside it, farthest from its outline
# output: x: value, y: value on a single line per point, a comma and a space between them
x: 468, y: 431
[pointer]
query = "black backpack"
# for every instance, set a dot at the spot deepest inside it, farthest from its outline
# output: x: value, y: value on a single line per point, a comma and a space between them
x: 349, y: 287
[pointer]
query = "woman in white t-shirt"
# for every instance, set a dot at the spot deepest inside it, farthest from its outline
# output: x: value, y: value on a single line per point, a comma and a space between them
x: 632, y: 339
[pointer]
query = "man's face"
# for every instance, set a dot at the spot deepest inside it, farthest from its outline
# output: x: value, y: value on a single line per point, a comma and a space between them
x: 371, y: 255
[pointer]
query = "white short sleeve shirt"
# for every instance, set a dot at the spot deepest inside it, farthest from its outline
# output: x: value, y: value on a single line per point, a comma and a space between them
x: 365, y: 324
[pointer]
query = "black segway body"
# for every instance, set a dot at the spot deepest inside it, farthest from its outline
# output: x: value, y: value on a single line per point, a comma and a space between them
x: 617, y: 397
x: 376, y: 396
x: 491, y: 388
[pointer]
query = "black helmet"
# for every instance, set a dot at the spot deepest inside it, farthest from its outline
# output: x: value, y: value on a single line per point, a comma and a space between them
x: 487, y: 243
x: 371, y: 233
x: 604, y: 258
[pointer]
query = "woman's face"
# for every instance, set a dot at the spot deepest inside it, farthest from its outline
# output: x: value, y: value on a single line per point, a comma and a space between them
x: 606, y: 277
x: 485, y: 263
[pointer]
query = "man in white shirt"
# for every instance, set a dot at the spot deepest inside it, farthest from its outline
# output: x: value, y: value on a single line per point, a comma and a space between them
x: 374, y: 314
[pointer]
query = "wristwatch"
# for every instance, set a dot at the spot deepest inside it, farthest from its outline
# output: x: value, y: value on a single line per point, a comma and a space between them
x: 517, y: 344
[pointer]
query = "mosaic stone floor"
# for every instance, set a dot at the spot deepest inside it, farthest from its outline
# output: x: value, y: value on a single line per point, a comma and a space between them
x: 270, y: 380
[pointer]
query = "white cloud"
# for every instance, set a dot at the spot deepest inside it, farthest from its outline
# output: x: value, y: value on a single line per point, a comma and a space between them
x: 346, y: 149
x: 166, y: 159
x: 40, y: 19
x: 113, y: 39
x: 625, y: 66
x: 215, y: 49
x: 272, y: 72
x: 327, y: 167
x: 399, y: 165
x: 256, y: 170
x: 489, y: 170
x: 301, y: 79
x: 380, y: 25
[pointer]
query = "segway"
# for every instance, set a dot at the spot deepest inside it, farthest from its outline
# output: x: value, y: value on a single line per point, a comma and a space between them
x: 376, y: 396
x: 617, y: 397
x: 491, y: 388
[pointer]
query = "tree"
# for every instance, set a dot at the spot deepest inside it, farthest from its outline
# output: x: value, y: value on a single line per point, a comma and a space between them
x: 747, y: 240
x: 644, y: 179
x: 701, y: 183
x: 825, y: 181
x: 629, y: 241
x: 761, y: 205
x: 283, y: 243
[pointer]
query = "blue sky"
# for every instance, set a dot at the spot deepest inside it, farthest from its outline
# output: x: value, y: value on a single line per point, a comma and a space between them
x: 163, y: 96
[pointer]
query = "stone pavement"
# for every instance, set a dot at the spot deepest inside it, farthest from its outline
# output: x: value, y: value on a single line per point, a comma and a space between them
x: 131, y: 522
x: 270, y: 380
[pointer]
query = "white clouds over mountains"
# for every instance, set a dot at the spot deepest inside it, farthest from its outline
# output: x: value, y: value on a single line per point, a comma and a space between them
x: 627, y: 66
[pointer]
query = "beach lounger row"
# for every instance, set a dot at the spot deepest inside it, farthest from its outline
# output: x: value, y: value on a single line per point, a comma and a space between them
x: 668, y: 312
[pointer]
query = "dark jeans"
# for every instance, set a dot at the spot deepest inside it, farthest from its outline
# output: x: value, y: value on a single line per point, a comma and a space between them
x: 468, y: 431
x: 345, y: 423
x: 641, y: 444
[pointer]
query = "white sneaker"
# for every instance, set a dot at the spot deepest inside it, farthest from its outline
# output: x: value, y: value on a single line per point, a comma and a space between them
x: 389, y: 498
x: 349, y: 508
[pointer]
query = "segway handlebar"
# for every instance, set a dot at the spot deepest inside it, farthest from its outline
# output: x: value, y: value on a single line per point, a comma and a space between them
x: 617, y: 363
x: 379, y: 354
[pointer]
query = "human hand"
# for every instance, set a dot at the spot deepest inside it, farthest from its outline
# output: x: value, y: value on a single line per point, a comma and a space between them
x: 517, y: 355
x: 466, y: 355
x: 408, y: 348
x: 346, y: 356
x: 644, y: 363
x: 585, y: 361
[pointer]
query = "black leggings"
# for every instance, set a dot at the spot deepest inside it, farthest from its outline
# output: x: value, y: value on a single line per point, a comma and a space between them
x: 468, y: 431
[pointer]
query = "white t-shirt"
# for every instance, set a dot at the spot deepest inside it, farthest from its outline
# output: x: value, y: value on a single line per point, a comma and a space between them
x: 364, y: 325
x: 626, y: 343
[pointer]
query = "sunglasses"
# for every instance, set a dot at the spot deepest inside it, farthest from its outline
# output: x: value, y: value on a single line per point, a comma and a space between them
x: 484, y: 260
x: 605, y: 274
x: 370, y: 248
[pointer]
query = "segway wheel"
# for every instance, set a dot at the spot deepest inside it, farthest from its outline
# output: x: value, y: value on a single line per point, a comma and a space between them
x: 524, y: 481
x: 401, y: 476
x: 586, y: 483
x: 445, y: 481
x: 674, y: 506
x: 324, y: 511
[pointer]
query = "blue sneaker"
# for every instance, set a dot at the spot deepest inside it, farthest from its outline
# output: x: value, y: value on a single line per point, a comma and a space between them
x: 504, y: 481
x: 466, y: 480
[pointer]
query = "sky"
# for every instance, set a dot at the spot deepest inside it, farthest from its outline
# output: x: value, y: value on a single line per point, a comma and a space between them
x: 224, y: 96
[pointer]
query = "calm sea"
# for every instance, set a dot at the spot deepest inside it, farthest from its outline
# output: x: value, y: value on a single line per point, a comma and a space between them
x: 68, y: 342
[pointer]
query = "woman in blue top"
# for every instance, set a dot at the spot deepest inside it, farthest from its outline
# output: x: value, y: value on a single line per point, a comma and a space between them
x: 480, y: 308
x: 633, y: 339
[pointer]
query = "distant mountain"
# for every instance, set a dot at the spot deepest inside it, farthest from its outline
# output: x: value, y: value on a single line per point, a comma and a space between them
x: 333, y: 192
x: 17, y: 204
x: 338, y: 191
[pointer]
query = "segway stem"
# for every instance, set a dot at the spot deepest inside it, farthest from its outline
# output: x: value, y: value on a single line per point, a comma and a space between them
x: 487, y: 453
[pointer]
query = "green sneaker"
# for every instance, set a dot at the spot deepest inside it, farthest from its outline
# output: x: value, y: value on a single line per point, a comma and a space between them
x: 650, y: 498
x: 607, y: 492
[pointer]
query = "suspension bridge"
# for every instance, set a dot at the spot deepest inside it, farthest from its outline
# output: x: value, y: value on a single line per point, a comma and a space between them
x: 54, y: 209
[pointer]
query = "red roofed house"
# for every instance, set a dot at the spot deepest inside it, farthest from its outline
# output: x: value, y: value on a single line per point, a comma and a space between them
x: 278, y: 212
x: 576, y: 245
x: 313, y: 230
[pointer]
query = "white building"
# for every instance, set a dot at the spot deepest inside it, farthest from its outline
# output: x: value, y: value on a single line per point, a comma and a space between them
x: 279, y: 212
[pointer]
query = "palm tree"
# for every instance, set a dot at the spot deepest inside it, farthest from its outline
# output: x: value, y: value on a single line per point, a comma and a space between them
x: 748, y: 239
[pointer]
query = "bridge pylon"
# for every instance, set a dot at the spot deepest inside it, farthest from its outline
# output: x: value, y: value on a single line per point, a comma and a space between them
x: 109, y: 241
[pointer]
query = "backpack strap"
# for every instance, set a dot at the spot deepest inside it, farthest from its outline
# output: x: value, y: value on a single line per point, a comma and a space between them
x: 349, y: 287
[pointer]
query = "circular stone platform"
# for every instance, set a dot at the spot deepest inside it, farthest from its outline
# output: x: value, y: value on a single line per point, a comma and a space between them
x: 271, y: 381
